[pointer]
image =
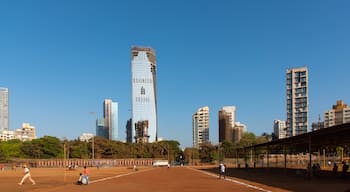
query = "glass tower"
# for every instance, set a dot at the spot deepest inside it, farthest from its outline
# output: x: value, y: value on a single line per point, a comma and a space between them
x: 4, y: 110
x: 110, y: 114
x: 144, y: 91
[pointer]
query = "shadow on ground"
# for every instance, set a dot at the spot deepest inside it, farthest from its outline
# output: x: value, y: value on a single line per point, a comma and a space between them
x: 291, y: 179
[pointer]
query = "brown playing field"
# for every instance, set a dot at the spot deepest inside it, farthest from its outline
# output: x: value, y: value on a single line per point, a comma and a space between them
x: 152, y: 180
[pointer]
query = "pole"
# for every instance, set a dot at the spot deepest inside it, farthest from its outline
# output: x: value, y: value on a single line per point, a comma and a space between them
x: 310, y: 158
x: 93, y: 135
x: 168, y: 153
x: 64, y: 161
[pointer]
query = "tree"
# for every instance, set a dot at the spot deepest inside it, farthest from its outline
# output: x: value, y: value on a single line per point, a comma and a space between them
x: 248, y: 139
x: 190, y: 154
x: 51, y: 147
x: 227, y: 149
x: 207, y: 153
x: 10, y: 149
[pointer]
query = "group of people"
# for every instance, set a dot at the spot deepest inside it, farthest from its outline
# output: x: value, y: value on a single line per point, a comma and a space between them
x: 344, y: 170
x: 83, y: 177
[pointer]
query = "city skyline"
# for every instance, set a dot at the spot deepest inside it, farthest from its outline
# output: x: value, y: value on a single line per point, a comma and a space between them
x: 59, y: 60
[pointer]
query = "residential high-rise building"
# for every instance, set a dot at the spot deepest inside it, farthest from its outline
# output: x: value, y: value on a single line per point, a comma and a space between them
x: 4, y: 110
x: 279, y: 129
x: 226, y: 123
x: 200, y: 127
x: 297, y: 101
x: 110, y: 114
x: 339, y: 114
x: 144, y: 90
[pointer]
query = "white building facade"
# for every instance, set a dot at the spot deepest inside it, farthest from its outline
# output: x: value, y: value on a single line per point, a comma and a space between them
x: 297, y: 101
x: 144, y: 91
x: 4, y: 110
x: 279, y: 129
x: 26, y: 133
x: 85, y: 137
x: 7, y: 135
x: 200, y: 127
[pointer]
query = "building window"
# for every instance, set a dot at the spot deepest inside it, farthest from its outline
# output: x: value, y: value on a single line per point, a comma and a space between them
x: 143, y: 91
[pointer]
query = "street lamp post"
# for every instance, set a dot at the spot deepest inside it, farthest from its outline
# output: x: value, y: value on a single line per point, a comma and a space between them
x: 93, y: 144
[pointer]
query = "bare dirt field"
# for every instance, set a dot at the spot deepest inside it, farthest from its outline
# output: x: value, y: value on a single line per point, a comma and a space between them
x: 189, y: 179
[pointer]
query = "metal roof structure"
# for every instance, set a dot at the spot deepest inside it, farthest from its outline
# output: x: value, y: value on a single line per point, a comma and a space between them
x: 331, y: 137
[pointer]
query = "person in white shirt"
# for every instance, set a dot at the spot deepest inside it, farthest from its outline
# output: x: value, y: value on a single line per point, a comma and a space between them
x: 222, y: 168
x: 26, y: 175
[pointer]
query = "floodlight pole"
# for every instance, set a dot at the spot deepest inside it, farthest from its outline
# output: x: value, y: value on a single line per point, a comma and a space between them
x: 93, y: 144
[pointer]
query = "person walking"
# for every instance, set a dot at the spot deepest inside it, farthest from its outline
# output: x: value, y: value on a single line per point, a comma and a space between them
x: 26, y: 176
x: 222, y: 168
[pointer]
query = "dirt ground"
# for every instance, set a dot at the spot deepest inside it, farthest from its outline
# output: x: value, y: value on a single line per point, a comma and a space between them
x: 289, y: 179
x: 189, y: 179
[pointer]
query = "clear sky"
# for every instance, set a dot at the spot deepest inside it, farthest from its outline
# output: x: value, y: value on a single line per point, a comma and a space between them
x: 61, y: 58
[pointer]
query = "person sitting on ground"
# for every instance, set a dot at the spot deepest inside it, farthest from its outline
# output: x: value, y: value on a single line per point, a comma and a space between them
x: 80, y: 180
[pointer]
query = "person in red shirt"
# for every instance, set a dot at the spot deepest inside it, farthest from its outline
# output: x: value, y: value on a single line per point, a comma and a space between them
x: 86, y: 173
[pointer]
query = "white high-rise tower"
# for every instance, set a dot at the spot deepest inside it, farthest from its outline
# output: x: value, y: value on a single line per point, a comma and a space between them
x: 200, y: 127
x: 144, y: 94
x: 4, y: 110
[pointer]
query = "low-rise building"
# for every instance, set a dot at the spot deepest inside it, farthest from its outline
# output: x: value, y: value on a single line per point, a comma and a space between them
x: 7, y: 135
x: 26, y: 133
x: 339, y: 114
x: 86, y: 137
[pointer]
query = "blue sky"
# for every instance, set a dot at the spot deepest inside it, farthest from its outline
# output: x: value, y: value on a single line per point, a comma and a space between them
x: 61, y: 59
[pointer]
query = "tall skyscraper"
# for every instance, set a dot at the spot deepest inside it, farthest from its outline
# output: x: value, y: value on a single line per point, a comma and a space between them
x: 200, y: 127
x: 339, y: 114
x: 144, y: 91
x: 4, y: 110
x: 110, y: 114
x: 100, y: 128
x: 297, y: 101
x: 226, y: 123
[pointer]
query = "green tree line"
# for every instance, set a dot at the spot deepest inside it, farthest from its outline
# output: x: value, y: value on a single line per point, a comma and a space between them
x: 49, y: 147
